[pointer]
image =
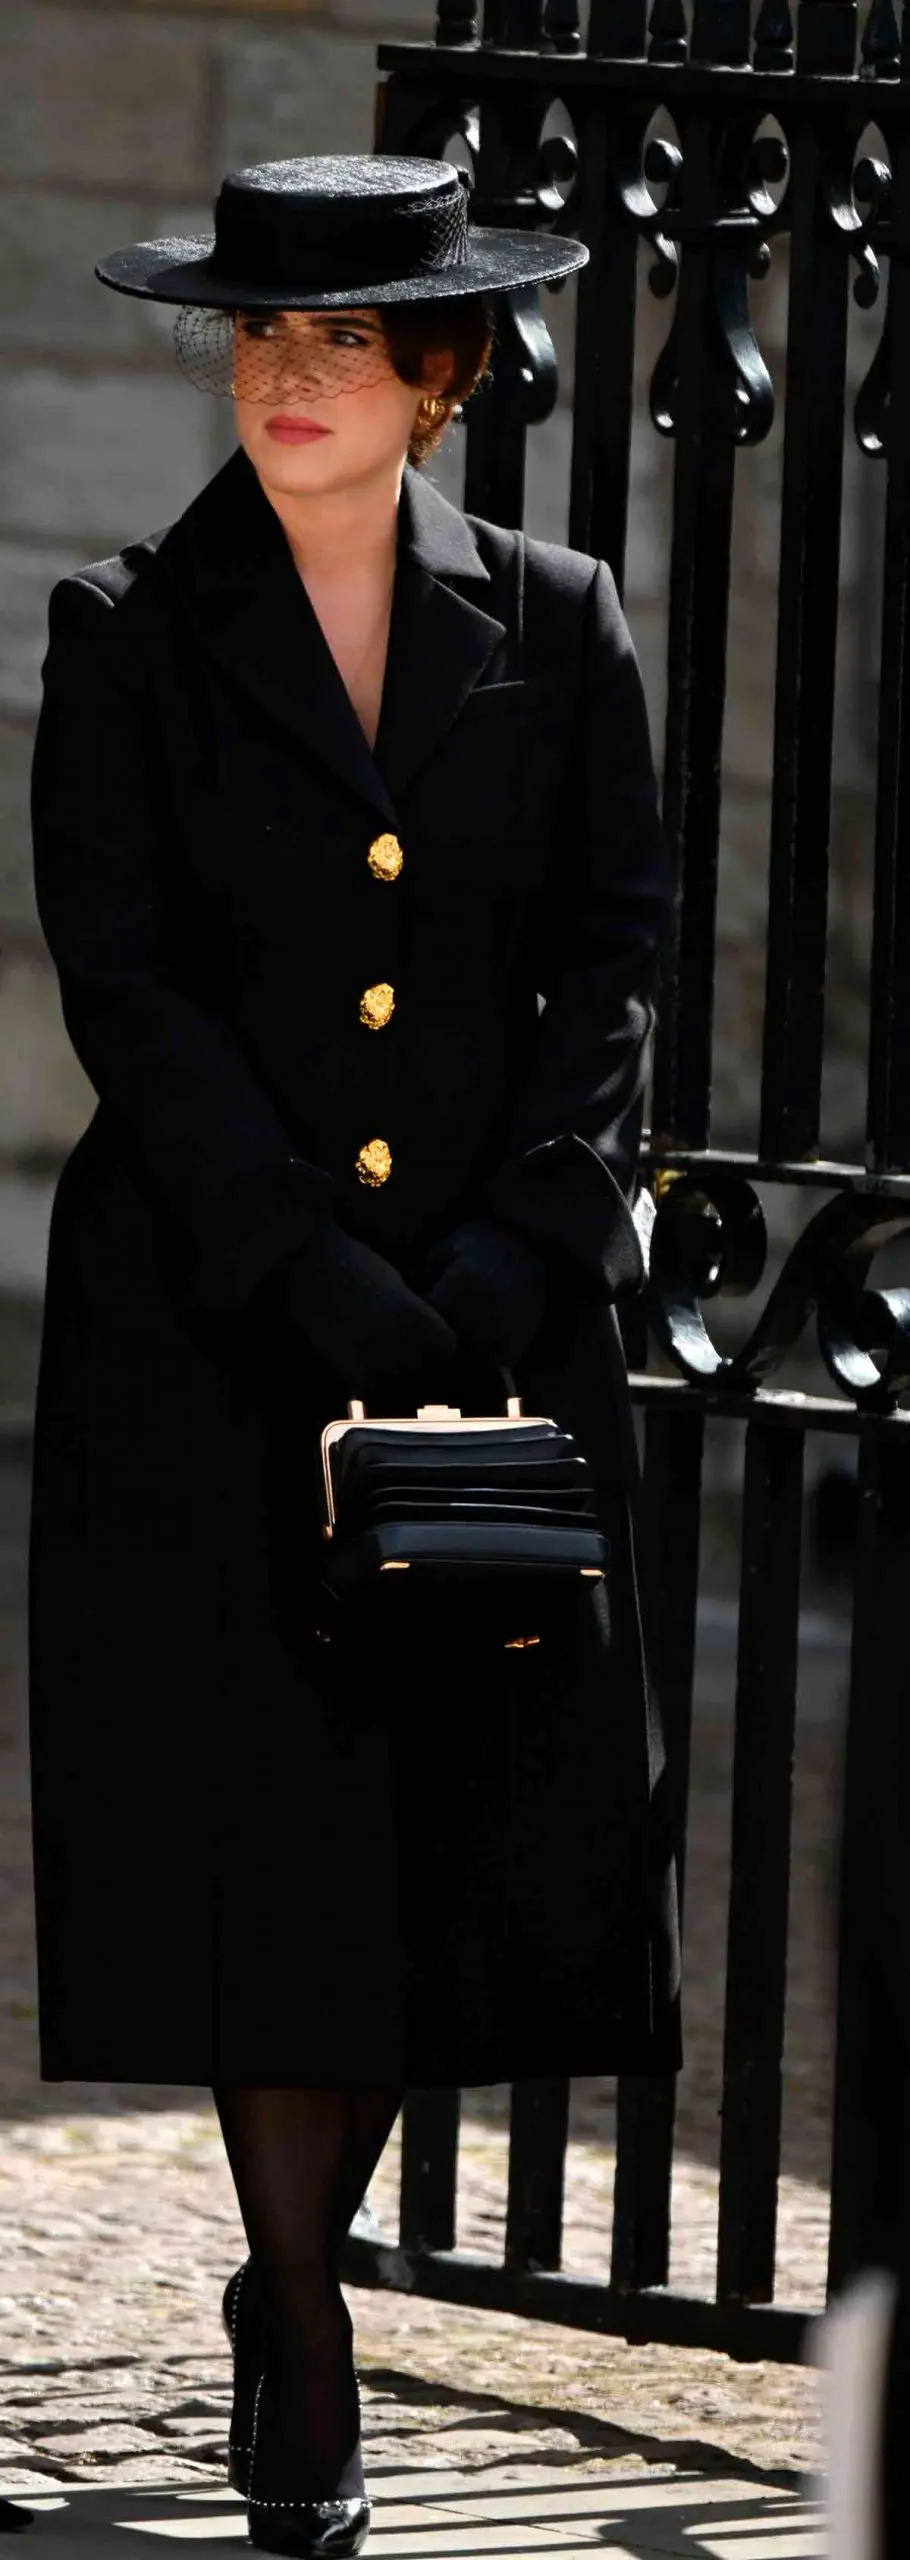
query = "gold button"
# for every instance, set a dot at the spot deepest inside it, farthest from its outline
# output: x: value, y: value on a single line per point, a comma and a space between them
x: 377, y: 1005
x: 385, y: 858
x: 374, y: 1163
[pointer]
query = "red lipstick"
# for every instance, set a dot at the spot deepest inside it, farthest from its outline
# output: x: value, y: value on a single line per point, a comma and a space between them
x: 288, y: 430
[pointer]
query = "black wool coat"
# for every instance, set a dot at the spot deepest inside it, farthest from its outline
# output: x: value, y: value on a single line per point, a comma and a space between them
x: 271, y: 1846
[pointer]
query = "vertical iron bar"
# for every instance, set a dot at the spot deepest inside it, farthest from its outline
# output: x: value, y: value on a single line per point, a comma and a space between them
x: 826, y: 36
x: 697, y: 648
x: 806, y: 656
x: 493, y: 22
x: 538, y: 2133
x: 760, y: 1863
x: 604, y: 348
x: 889, y: 1046
x: 494, y: 479
x: 669, y: 1549
x: 496, y: 430
x: 522, y: 24
x: 618, y: 29
x: 872, y: 2079
x: 429, y: 2168
x: 720, y: 32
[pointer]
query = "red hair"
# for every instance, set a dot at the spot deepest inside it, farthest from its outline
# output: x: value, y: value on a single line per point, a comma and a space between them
x: 460, y: 327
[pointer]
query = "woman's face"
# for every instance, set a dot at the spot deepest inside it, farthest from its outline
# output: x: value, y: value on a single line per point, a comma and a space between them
x: 319, y: 405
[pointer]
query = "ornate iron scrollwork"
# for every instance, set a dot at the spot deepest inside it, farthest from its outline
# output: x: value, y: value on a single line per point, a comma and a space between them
x: 709, y: 1238
x: 872, y: 187
x: 872, y: 405
x: 526, y: 357
x: 848, y: 187
x: 558, y: 165
x: 737, y: 222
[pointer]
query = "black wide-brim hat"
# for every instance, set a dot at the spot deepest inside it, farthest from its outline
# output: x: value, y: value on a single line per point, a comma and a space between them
x: 329, y: 233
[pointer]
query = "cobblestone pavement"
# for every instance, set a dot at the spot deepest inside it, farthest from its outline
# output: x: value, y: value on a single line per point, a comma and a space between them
x: 118, y: 2228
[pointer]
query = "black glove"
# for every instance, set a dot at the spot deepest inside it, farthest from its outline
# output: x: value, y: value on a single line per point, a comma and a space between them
x: 491, y: 1288
x: 358, y: 1313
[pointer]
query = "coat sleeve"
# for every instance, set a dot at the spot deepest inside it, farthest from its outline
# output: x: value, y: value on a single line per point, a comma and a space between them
x: 568, y: 1172
x: 198, y: 1127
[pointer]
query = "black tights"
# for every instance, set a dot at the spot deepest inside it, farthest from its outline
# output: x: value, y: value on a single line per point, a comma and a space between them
x: 302, y: 2160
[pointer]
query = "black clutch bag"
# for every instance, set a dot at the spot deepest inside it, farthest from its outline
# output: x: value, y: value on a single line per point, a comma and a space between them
x: 444, y: 1495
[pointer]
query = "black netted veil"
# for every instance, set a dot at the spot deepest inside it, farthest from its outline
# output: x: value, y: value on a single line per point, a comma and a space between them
x: 280, y: 355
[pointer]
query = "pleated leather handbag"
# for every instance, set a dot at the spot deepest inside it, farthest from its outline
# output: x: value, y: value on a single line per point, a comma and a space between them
x: 454, y: 1497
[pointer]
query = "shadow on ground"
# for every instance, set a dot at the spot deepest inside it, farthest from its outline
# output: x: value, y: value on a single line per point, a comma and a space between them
x: 473, y: 2411
x: 639, y: 2508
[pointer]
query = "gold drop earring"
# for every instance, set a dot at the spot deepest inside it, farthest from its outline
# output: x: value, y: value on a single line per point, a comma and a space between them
x: 431, y: 409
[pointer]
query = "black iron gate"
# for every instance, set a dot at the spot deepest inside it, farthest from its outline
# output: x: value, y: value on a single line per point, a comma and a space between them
x: 765, y: 123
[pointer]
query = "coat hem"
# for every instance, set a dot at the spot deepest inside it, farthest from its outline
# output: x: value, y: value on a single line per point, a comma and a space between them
x: 659, y: 2058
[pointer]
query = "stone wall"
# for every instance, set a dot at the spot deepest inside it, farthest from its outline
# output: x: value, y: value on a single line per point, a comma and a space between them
x: 116, y: 123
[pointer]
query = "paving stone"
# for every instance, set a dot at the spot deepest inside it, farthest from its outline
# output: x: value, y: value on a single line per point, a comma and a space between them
x: 84, y: 93
x: 99, y: 461
x: 100, y: 2441
x: 16, y: 2480
x: 549, y: 2503
x: 69, y: 2414
x: 213, y: 2405
x: 198, y: 2433
x: 160, y: 2470
x: 414, y: 2515
x: 428, y: 2480
x: 448, y: 2538
x: 779, y: 2546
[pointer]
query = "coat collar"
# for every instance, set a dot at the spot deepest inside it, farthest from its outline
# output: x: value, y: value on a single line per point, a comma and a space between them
x: 231, y: 559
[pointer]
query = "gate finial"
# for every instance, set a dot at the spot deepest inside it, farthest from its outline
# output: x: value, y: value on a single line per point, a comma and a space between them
x: 773, y: 37
x: 881, y: 44
x: 456, y: 22
x: 561, y: 30
x: 668, y: 32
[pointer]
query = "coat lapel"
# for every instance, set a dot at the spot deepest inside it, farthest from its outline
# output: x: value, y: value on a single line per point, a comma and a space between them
x: 440, y: 640
x: 231, y: 559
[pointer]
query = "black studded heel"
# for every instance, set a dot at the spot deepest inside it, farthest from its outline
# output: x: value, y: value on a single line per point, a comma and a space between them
x: 283, y: 2513
x: 241, y: 2313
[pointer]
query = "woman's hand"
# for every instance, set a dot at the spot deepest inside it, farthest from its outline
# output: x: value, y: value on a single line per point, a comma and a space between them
x: 491, y: 1288
x: 358, y: 1313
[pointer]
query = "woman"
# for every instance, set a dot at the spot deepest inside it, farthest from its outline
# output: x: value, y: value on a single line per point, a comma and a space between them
x: 331, y: 785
